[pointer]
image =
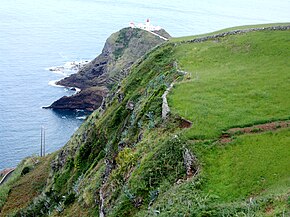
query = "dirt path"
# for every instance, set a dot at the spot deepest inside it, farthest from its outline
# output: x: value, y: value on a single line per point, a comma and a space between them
x: 6, y: 173
x: 226, y: 137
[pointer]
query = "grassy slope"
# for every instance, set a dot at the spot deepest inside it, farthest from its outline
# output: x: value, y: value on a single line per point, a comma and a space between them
x: 23, y: 188
x: 246, y: 74
x: 248, y: 177
x: 242, y: 80
x: 249, y: 166
x: 239, y: 81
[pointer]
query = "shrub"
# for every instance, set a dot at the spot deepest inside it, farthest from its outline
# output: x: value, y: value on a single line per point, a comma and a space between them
x: 25, y: 170
x: 69, y: 199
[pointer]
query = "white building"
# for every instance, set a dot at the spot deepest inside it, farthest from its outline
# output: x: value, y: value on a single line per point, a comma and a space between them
x: 147, y: 26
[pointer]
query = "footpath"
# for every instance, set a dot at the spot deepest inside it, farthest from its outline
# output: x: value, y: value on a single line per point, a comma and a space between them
x: 6, y: 174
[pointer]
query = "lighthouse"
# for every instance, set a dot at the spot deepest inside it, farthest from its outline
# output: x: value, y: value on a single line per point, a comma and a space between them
x: 132, y: 24
x: 147, y: 25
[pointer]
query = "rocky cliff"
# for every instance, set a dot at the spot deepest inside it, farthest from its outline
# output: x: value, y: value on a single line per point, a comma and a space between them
x: 121, y: 50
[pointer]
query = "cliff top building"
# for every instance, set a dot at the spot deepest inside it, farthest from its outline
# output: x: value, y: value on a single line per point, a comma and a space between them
x: 147, y: 26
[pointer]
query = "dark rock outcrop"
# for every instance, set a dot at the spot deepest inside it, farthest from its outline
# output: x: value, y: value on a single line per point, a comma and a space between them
x: 88, y: 99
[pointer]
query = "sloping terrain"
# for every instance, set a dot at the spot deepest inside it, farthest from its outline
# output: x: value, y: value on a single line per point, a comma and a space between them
x: 234, y: 81
x: 120, y: 51
x: 109, y: 68
x: 129, y: 161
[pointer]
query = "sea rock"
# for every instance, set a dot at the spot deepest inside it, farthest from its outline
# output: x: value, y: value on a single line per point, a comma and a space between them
x: 88, y: 99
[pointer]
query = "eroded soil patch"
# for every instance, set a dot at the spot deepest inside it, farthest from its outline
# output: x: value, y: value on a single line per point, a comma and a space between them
x: 226, y: 137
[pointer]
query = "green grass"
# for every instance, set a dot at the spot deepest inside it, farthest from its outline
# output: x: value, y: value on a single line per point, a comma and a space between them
x: 252, y: 165
x: 187, y: 38
x: 243, y: 79
x: 255, y: 165
x: 235, y: 81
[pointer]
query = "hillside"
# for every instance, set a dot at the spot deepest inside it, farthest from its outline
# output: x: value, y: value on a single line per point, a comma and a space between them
x: 222, y: 150
x: 109, y: 68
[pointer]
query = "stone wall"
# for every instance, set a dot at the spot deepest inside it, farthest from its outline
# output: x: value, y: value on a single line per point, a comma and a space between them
x: 236, y: 32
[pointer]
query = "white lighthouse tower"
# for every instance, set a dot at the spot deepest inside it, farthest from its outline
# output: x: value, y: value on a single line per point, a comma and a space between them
x: 147, y: 25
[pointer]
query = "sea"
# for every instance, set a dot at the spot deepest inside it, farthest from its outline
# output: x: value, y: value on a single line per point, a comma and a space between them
x: 36, y: 35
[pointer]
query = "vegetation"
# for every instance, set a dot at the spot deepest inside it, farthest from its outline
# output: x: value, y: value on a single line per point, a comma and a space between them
x: 128, y: 161
x: 238, y: 81
x: 24, y: 185
x: 249, y: 166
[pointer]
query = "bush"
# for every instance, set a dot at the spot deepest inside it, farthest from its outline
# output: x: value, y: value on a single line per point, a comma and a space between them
x: 165, y: 164
x: 69, y: 199
x: 25, y: 170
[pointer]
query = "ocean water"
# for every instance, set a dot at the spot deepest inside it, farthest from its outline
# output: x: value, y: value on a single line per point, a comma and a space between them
x: 36, y: 35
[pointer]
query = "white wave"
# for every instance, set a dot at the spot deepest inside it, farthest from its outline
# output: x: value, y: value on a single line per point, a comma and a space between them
x: 63, y: 73
x: 75, y: 65
x: 77, y: 90
x: 81, y: 117
x: 68, y: 67
x: 66, y: 89
x: 53, y: 83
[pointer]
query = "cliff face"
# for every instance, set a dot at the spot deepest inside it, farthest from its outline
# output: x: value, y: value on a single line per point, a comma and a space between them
x: 121, y: 50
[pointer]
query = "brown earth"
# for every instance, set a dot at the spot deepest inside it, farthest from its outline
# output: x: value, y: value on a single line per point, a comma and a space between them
x: 226, y: 137
x: 260, y: 128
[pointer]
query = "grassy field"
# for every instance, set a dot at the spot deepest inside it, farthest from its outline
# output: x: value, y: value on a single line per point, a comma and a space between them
x: 239, y: 80
x: 235, y: 81
x: 251, y: 165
